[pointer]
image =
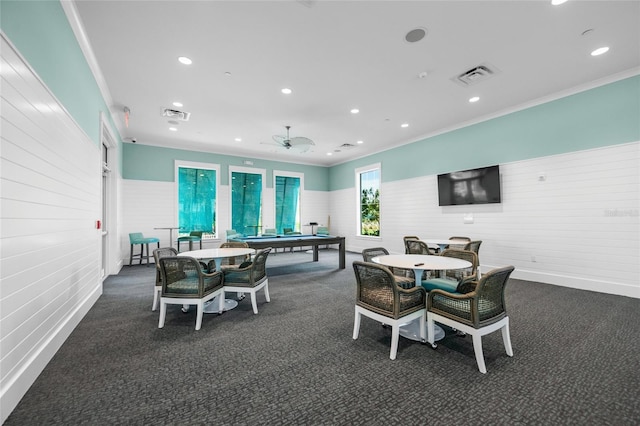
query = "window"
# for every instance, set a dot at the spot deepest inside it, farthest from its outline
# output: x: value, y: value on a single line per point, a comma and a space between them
x: 368, y: 184
x: 197, y: 187
x: 287, y: 202
x: 246, y: 202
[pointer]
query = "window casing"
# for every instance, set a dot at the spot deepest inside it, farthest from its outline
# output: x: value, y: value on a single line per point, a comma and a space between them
x: 287, y: 192
x: 247, y: 187
x: 368, y: 184
x: 197, y: 188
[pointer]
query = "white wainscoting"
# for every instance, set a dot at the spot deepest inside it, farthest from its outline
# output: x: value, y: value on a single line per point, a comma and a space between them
x: 49, y: 246
x: 570, y: 219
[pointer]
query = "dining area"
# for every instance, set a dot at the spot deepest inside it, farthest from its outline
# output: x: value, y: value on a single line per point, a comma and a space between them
x: 435, y: 282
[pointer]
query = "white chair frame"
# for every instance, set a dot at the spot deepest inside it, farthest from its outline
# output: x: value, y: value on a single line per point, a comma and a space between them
x: 199, y: 302
x: 476, y: 333
x: 228, y: 286
x: 393, y: 323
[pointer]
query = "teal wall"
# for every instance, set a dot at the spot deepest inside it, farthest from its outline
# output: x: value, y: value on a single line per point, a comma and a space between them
x: 42, y: 34
x: 145, y: 162
x: 606, y: 115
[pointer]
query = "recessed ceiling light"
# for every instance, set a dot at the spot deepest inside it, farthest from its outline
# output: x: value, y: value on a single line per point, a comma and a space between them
x: 600, y: 51
x: 329, y: 153
x: 404, y: 125
x: 238, y: 139
x: 557, y: 2
x: 474, y: 99
x: 173, y: 129
x: 359, y: 142
x: 286, y: 91
x: 355, y: 111
x: 177, y: 104
x: 185, y: 60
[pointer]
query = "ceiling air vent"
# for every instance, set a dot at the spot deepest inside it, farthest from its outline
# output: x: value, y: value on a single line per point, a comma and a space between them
x: 347, y: 146
x: 475, y: 75
x: 174, y: 113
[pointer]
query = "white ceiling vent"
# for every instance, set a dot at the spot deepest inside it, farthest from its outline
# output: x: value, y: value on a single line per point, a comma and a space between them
x: 347, y: 146
x: 174, y: 113
x: 475, y: 75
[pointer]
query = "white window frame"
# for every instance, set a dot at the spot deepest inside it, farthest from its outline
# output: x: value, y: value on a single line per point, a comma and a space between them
x: 197, y: 165
x: 288, y: 174
x: 359, y: 171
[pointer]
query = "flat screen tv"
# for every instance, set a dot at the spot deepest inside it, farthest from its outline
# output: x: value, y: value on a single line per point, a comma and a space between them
x: 476, y: 186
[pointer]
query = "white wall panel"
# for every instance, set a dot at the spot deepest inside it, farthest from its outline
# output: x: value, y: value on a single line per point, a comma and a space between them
x: 569, y: 219
x: 49, y: 248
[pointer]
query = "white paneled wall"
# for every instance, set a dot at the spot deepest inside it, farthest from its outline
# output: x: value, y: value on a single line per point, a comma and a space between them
x: 568, y: 219
x: 50, y: 184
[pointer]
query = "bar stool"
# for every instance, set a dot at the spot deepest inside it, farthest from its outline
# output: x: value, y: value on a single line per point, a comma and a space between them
x: 136, y: 238
x: 194, y: 236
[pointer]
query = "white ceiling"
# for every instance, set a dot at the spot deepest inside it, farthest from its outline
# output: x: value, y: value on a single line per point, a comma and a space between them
x: 339, y: 55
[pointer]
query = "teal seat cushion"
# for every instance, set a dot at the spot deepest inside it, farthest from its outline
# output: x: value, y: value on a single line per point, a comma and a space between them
x: 446, y: 284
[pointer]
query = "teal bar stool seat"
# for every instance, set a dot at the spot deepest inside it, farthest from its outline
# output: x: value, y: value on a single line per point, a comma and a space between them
x: 194, y: 236
x: 136, y: 238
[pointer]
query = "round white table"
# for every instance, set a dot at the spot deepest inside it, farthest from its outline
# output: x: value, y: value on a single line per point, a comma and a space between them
x: 211, y: 307
x: 420, y: 263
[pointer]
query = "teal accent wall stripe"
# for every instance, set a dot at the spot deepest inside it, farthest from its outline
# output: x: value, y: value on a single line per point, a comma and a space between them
x: 41, y: 32
x: 603, y: 116
x: 146, y: 162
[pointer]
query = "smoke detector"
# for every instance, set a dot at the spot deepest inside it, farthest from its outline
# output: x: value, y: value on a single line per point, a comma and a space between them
x: 475, y: 75
x: 174, y: 113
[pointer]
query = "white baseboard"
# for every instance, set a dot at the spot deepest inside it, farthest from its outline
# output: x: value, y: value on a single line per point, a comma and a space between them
x: 16, y: 388
x: 581, y: 283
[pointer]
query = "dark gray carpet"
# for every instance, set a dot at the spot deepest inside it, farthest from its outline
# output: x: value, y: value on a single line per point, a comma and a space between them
x: 576, y: 361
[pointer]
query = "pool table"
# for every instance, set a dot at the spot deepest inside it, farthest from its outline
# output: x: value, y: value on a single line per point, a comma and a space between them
x: 282, y: 241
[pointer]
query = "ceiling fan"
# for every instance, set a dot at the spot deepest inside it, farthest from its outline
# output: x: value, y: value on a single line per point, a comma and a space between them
x: 298, y: 143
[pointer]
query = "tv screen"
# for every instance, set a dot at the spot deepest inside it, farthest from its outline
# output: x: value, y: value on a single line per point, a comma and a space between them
x: 476, y: 186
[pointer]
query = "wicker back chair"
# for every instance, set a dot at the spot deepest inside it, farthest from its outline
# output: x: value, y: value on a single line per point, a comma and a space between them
x: 249, y: 278
x: 157, y: 255
x: 409, y: 238
x: 478, y: 313
x: 234, y: 262
x: 380, y: 298
x: 184, y: 283
x: 456, y: 280
x: 404, y: 277
x: 458, y: 242
x: 417, y: 247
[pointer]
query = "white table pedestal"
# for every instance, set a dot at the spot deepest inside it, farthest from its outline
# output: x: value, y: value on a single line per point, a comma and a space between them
x: 411, y: 330
x: 211, y: 307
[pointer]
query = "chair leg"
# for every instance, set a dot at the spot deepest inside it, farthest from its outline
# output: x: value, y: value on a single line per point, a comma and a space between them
x: 163, y: 314
x: 221, y: 303
x: 266, y: 292
x: 356, y: 325
x: 431, y: 330
x: 131, y: 255
x: 477, y: 349
x: 506, y: 338
x: 254, y: 302
x: 147, y: 256
x: 156, y: 299
x: 199, y: 314
x: 395, y: 336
